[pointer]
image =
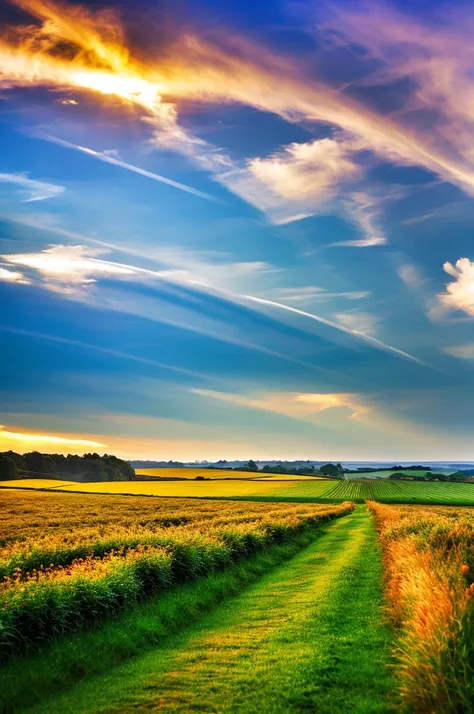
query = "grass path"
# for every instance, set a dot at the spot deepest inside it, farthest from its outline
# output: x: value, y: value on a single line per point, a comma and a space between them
x: 307, y: 637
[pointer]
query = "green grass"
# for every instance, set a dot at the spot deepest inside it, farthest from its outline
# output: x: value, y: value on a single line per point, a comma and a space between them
x: 407, y: 472
x: 87, y: 654
x: 307, y: 636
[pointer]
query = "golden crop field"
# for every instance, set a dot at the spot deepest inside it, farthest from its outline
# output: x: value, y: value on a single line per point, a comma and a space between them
x: 192, y: 473
x: 429, y: 569
x: 68, y: 560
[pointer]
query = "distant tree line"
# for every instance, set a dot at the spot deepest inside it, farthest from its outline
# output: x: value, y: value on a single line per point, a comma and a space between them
x: 369, y: 470
x: 330, y: 470
x: 157, y: 464
x: 429, y: 476
x: 90, y: 467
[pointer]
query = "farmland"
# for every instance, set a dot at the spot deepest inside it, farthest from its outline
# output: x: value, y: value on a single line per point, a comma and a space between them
x: 52, y: 583
x: 325, y: 490
x: 429, y: 567
x: 114, y: 603
x: 192, y: 473
x: 385, y: 473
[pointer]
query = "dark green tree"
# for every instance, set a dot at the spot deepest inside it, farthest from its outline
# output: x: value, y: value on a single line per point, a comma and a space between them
x: 332, y: 470
x: 8, y: 468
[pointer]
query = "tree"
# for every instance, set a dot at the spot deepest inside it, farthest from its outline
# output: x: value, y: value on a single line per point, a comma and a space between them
x: 332, y: 470
x: 8, y: 468
x: 252, y: 466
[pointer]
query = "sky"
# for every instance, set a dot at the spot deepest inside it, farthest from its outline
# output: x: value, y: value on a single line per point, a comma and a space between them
x: 237, y: 230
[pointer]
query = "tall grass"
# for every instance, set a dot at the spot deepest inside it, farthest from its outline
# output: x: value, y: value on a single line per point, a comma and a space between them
x: 429, y: 562
x: 47, y: 592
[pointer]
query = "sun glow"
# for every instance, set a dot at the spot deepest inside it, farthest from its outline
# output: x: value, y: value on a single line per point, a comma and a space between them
x: 15, y: 440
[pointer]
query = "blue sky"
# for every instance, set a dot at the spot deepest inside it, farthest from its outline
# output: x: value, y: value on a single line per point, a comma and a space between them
x: 239, y: 232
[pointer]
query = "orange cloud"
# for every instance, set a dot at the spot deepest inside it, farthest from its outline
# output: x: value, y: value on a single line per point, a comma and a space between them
x: 293, y: 404
x: 99, y: 61
x: 23, y: 441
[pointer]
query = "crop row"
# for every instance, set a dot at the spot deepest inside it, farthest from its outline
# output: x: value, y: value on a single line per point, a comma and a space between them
x: 50, y: 599
x: 400, y: 492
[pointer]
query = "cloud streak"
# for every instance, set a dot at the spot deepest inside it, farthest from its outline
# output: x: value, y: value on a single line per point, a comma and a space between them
x: 36, y: 190
x: 101, y: 156
x: 371, y: 340
x: 72, y: 267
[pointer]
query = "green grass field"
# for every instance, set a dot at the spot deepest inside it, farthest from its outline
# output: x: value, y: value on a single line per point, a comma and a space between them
x: 386, y: 474
x: 461, y: 494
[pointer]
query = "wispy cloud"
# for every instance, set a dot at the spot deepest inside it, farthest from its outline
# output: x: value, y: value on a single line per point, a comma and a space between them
x: 461, y: 351
x: 372, y: 340
x: 364, y: 210
x: 363, y: 323
x: 307, y: 295
x: 70, y: 269
x: 304, y: 406
x: 432, y: 49
x: 111, y: 159
x: 67, y: 268
x: 196, y: 68
x: 118, y: 354
x: 35, y: 190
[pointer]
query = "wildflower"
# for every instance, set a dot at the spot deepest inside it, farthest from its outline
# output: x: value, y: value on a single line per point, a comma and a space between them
x: 464, y: 569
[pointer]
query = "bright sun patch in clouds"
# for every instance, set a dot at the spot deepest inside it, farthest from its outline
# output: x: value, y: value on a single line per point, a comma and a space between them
x: 12, y: 276
x: 69, y: 265
x: 26, y: 441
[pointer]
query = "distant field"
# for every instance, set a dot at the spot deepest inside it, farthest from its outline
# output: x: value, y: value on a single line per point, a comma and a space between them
x: 35, y: 483
x: 290, y: 477
x: 461, y: 494
x: 191, y: 473
x: 386, y: 474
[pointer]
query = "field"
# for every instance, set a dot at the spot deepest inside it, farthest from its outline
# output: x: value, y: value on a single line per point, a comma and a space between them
x: 326, y: 490
x: 429, y: 566
x: 192, y: 473
x: 386, y: 473
x: 114, y: 603
x: 54, y: 581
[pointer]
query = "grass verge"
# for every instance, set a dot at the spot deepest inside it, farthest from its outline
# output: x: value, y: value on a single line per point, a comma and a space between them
x: 86, y: 654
